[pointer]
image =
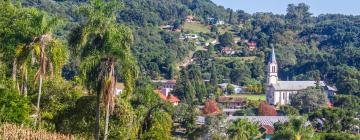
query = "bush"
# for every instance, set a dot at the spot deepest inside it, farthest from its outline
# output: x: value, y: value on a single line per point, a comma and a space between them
x: 14, y: 108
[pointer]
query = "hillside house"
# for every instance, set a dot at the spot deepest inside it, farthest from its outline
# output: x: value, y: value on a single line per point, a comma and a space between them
x: 231, y: 102
x: 251, y: 46
x: 169, y: 98
x: 228, y: 51
x: 237, y: 89
x: 119, y: 88
x: 190, y: 19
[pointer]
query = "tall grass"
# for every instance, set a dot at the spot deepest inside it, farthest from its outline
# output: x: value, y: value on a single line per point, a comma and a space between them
x: 14, y: 132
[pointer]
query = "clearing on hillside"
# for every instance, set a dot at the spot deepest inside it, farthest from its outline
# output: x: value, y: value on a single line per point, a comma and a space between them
x: 195, y: 27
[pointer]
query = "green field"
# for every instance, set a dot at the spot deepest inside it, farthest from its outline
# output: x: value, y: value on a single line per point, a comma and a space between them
x: 251, y: 96
x: 196, y: 27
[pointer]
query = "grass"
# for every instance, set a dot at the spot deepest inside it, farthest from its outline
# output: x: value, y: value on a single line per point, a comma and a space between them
x: 251, y: 96
x: 249, y: 58
x: 196, y: 27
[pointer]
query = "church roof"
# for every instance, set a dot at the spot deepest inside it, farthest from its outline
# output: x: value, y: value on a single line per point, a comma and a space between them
x: 295, y: 85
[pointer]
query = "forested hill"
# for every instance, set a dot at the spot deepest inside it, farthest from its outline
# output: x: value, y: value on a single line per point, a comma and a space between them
x: 325, y: 46
x: 156, y: 50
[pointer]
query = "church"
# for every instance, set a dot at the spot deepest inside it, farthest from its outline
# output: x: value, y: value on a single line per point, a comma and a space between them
x: 278, y: 92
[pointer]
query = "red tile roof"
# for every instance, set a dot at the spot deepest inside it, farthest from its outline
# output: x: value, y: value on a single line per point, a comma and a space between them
x: 268, y: 129
x: 172, y: 99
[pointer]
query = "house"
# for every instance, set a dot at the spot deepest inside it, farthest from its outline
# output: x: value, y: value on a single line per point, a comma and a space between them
x: 237, y: 89
x: 164, y: 83
x: 279, y: 92
x: 119, y: 88
x: 167, y: 27
x: 190, y: 19
x: 188, y: 36
x: 231, y: 102
x: 251, y: 46
x: 228, y: 50
x: 169, y: 98
x: 220, y: 22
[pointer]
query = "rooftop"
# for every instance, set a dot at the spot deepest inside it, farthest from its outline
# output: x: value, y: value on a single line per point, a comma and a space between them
x: 295, y: 85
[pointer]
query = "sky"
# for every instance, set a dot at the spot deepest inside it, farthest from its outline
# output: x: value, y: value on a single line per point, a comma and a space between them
x: 348, y: 7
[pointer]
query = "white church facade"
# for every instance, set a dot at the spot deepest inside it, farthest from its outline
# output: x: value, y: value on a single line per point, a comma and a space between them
x: 279, y: 92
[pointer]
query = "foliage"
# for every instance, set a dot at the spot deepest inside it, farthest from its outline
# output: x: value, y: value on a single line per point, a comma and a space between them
x: 242, y: 130
x: 289, y: 110
x: 334, y: 120
x: 211, y: 107
x: 226, y: 39
x: 308, y: 100
x: 14, y: 108
x: 266, y: 110
x: 295, y: 129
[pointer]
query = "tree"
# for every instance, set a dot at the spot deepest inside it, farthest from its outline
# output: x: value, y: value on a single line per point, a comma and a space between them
x: 184, y: 89
x: 295, y: 129
x: 14, y: 108
x: 226, y: 39
x: 104, y: 46
x: 334, y: 120
x: 230, y: 89
x: 215, y: 127
x: 242, y: 130
x: 266, y: 110
x: 308, y: 100
x: 289, y: 110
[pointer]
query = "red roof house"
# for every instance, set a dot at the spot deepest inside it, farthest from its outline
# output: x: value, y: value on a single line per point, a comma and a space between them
x: 251, y: 45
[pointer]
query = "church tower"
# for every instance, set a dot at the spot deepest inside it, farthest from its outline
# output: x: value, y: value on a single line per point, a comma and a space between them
x: 272, y: 68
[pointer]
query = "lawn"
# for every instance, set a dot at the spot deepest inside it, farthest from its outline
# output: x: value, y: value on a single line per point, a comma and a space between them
x: 196, y: 27
x: 251, y: 96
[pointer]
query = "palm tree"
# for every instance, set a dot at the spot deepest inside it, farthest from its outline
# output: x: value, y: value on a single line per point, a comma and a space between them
x: 49, y: 51
x: 242, y: 130
x: 295, y: 129
x: 104, y: 45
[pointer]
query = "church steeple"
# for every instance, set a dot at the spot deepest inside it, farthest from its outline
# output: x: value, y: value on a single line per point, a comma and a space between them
x: 273, y: 57
x: 272, y: 68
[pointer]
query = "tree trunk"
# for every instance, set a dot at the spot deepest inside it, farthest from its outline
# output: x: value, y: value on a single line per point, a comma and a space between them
x: 106, y: 120
x: 25, y: 83
x: 14, y: 69
x: 38, y: 100
x: 97, y: 122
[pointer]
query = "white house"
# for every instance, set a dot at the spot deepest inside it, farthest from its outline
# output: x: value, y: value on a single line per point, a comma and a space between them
x: 278, y: 92
x: 237, y: 89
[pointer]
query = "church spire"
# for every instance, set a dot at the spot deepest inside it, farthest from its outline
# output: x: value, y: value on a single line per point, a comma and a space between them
x: 273, y: 57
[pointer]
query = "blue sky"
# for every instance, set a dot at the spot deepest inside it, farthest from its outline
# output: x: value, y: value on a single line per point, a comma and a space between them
x: 349, y: 7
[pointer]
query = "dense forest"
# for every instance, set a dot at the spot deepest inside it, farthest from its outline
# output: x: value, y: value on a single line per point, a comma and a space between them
x: 60, y: 60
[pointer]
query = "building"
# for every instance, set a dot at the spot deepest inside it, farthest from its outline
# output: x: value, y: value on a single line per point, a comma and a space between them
x: 164, y: 83
x: 251, y: 46
x: 227, y: 50
x: 278, y: 92
x: 190, y: 18
x: 237, y: 89
x: 119, y: 88
x: 231, y: 102
x: 169, y: 98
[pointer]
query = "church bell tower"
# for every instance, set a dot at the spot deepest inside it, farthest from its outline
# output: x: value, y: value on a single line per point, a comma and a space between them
x: 272, y: 68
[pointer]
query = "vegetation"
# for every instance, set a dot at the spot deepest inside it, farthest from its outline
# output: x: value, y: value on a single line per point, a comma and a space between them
x: 60, y: 62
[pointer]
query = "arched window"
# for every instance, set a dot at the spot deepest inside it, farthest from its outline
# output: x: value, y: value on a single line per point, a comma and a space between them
x: 273, y: 69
